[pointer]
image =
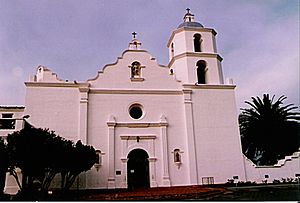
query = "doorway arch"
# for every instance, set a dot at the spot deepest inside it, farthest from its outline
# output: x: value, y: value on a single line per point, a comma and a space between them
x: 138, y: 169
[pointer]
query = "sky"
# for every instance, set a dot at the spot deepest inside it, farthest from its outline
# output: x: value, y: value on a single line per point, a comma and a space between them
x: 258, y: 40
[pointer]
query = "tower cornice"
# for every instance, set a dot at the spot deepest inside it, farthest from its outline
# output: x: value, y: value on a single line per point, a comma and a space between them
x: 195, y: 29
x: 195, y: 54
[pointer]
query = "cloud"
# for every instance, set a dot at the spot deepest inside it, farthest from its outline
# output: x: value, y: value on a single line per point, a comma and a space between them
x: 259, y: 40
x: 265, y: 59
x: 12, y: 89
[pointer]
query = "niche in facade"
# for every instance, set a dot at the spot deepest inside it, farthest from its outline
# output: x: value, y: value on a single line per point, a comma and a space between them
x: 136, y: 71
x: 98, y: 161
x: 177, y: 157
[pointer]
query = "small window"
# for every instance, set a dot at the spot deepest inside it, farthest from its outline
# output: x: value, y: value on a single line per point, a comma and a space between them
x: 136, y: 111
x: 172, y: 50
x: 7, y: 122
x: 7, y: 115
x: 171, y: 71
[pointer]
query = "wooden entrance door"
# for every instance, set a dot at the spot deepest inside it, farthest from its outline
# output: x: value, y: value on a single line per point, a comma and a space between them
x: 138, y: 169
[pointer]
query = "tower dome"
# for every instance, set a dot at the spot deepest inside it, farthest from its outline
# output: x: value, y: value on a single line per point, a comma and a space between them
x: 189, y: 21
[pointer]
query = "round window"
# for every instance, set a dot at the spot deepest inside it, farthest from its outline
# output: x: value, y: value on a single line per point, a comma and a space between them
x: 135, y: 111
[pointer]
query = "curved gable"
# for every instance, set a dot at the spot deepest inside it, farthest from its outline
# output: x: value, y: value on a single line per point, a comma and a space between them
x: 135, y: 69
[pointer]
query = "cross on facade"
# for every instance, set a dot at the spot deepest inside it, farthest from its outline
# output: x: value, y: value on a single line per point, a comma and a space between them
x: 134, y: 34
x: 188, y: 10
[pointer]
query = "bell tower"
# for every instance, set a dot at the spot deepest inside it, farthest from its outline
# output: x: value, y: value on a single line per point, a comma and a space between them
x: 193, y: 56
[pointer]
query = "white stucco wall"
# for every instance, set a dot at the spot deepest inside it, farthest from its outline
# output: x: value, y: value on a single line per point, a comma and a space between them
x: 215, y: 121
x: 56, y: 108
x: 285, y: 168
x: 159, y: 94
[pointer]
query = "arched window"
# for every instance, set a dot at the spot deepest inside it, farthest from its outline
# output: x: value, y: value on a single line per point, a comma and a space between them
x: 172, y: 50
x: 197, y: 42
x: 201, y: 69
x: 171, y: 71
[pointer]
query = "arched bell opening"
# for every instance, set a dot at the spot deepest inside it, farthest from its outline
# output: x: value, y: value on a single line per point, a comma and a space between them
x: 201, y: 72
x: 197, y: 42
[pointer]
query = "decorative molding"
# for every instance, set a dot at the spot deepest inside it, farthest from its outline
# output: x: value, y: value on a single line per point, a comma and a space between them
x: 83, y: 101
x: 12, y: 108
x: 56, y: 84
x: 152, y: 159
x: 187, y: 95
x: 198, y: 29
x: 84, y: 89
x: 124, y: 160
x: 208, y: 86
x: 135, y: 91
x: 195, y: 54
x: 187, y: 91
x: 111, y: 121
x: 111, y: 152
x: 137, y: 79
x: 163, y: 121
x: 140, y: 125
x: 141, y: 137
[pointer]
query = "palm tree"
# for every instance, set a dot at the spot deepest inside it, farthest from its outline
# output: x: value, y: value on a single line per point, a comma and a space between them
x: 269, y: 129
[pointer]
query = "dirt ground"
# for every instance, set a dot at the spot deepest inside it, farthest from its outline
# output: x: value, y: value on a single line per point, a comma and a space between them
x: 281, y: 192
x: 160, y: 193
x: 271, y: 192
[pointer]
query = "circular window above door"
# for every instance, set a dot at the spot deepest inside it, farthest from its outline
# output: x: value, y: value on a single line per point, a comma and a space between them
x: 136, y: 111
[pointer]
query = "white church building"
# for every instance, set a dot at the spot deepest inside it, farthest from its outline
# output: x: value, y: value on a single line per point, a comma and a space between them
x: 152, y: 125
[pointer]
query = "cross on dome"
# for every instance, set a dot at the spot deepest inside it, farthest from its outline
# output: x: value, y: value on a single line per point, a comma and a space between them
x: 134, y: 34
x: 189, y: 20
x: 188, y: 17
